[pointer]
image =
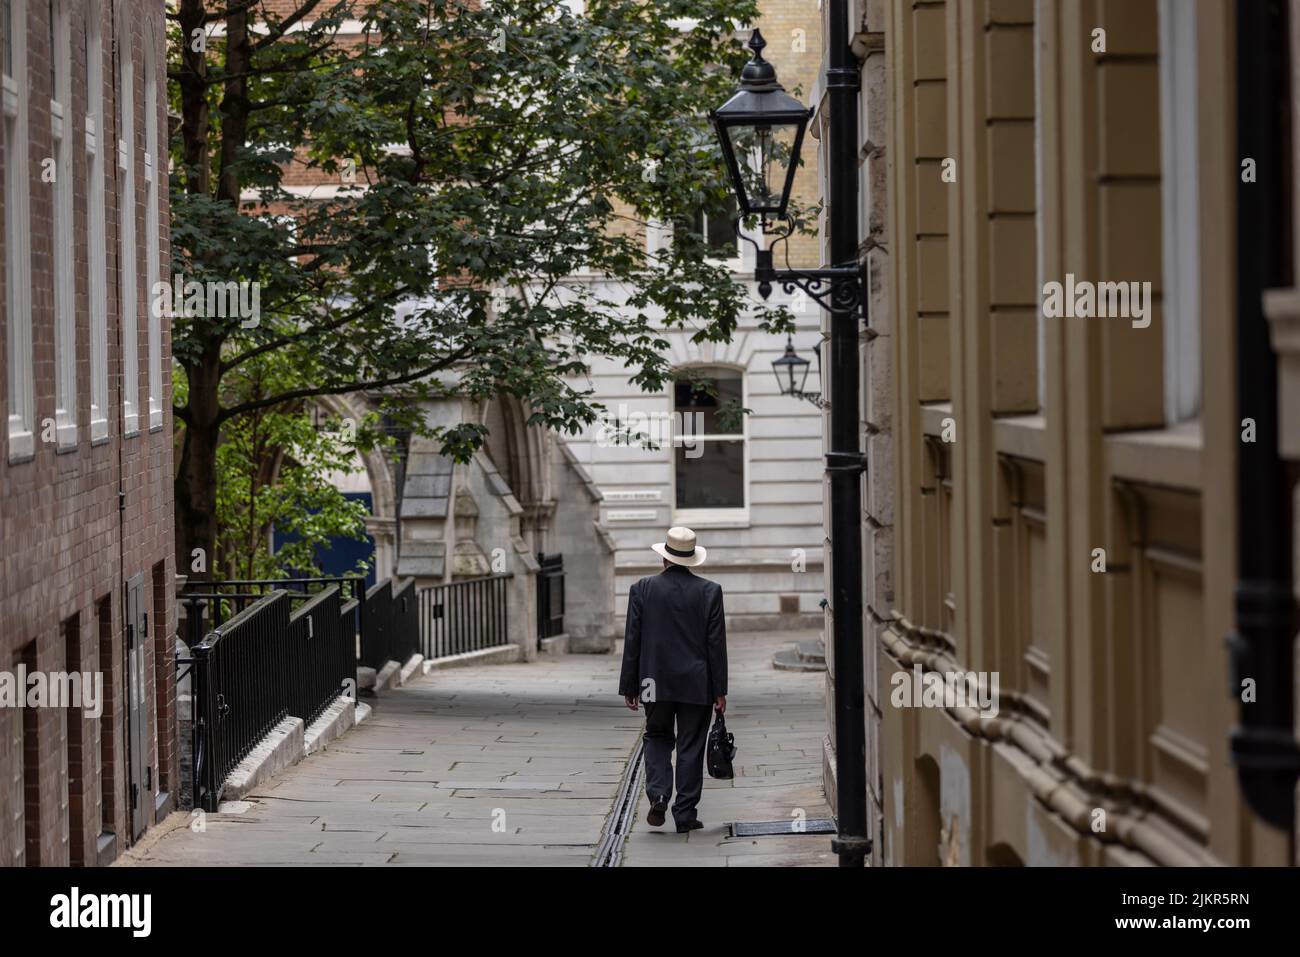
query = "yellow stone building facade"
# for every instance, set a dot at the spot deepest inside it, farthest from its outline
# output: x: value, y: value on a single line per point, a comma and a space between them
x: 1051, y: 499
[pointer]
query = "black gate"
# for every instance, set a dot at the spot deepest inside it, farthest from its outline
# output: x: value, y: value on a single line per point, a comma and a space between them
x: 550, y: 597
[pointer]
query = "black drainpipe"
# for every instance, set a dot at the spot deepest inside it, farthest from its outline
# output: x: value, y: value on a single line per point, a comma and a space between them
x: 1263, y: 743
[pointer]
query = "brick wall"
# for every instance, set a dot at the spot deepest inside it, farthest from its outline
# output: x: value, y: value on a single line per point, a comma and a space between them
x: 69, y: 543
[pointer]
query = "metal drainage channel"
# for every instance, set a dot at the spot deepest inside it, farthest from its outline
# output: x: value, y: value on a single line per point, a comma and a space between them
x: 816, y: 825
x: 609, y: 853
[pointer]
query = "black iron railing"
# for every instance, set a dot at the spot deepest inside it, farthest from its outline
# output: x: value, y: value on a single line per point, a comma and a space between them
x: 241, y: 691
x: 550, y: 596
x: 208, y: 603
x: 279, y: 649
x: 389, y: 624
x: 376, y: 613
x: 463, y: 616
x: 404, y: 640
x: 322, y: 643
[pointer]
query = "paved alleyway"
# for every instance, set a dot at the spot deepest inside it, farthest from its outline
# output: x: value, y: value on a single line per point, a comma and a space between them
x: 516, y: 765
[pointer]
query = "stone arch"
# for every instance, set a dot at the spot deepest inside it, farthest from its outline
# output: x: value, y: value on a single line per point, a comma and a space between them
x: 522, y: 454
x: 382, y: 522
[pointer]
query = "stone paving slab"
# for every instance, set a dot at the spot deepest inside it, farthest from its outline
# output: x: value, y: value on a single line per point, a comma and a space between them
x: 518, y: 765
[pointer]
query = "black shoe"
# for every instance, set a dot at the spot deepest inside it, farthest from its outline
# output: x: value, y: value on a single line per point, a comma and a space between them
x: 656, y: 816
x: 689, y: 826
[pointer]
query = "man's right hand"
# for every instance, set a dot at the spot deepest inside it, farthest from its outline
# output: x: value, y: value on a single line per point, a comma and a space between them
x: 720, y: 703
x: 631, y: 700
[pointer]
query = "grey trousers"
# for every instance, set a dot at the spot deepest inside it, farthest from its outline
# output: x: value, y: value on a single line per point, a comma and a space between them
x: 692, y: 733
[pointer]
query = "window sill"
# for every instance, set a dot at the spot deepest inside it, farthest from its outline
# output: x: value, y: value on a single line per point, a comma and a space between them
x: 65, y: 433
x: 22, y: 447
x: 712, y: 518
x: 98, y: 431
x: 1021, y: 436
x: 932, y: 416
x: 9, y: 94
x: 1169, y: 457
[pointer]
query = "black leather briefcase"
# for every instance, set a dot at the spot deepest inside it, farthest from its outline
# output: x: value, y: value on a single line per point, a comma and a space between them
x: 721, y: 750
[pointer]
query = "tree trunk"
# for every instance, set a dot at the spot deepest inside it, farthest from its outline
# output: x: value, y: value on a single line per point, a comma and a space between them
x: 196, y: 472
x: 194, y: 101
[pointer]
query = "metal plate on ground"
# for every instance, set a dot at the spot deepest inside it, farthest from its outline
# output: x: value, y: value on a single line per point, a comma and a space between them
x: 817, y: 825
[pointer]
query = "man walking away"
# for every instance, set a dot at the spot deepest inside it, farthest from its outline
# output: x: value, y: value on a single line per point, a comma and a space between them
x: 675, y: 660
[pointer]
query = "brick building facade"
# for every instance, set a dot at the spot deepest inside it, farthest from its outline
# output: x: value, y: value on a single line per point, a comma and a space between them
x: 86, y: 546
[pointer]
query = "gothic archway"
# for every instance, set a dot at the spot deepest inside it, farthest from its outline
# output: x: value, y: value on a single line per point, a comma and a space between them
x: 521, y: 453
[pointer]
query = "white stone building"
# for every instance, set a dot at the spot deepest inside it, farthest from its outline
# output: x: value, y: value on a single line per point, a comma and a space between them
x: 752, y: 492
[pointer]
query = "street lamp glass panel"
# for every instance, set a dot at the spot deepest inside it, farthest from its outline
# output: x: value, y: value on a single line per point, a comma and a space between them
x: 764, y: 155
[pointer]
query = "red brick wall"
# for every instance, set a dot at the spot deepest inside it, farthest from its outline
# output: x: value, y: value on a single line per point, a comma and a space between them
x: 65, y: 544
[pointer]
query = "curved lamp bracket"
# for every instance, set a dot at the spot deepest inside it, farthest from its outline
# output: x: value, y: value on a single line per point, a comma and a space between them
x: 838, y: 289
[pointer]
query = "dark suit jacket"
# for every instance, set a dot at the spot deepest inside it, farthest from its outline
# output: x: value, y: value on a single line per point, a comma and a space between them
x: 676, y: 636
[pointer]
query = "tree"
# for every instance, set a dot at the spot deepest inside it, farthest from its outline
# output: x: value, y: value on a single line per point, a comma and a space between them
x: 498, y: 149
x: 274, y: 471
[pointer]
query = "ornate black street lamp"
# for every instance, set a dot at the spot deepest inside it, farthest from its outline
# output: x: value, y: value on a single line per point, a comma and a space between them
x: 792, y: 372
x: 761, y: 129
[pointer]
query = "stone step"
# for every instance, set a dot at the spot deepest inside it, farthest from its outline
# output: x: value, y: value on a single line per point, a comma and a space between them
x: 791, y: 660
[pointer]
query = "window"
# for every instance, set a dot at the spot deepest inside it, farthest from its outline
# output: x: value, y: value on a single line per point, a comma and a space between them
x: 96, y: 242
x: 63, y: 278
x: 18, y: 266
x: 126, y: 266
x: 1180, y: 229
x: 153, y: 171
x: 717, y: 231
x: 709, y: 451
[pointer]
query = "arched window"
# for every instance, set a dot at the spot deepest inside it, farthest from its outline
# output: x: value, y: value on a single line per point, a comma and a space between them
x: 710, y: 458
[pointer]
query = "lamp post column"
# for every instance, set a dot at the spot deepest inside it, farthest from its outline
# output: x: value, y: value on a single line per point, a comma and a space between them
x: 844, y: 460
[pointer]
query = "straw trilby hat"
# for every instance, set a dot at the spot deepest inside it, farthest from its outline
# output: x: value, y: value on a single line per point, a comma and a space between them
x: 680, y: 549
